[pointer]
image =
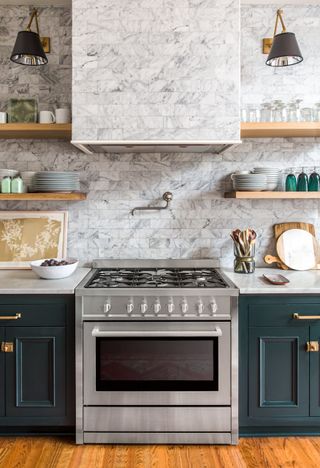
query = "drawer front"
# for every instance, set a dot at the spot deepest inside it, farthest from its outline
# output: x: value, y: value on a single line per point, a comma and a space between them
x: 35, y: 314
x: 282, y: 314
x: 157, y: 419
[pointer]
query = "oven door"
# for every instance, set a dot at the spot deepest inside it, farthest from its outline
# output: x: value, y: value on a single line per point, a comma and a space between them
x: 157, y: 363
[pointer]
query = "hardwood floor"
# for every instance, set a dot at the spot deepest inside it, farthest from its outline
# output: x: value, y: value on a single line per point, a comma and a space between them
x: 60, y: 452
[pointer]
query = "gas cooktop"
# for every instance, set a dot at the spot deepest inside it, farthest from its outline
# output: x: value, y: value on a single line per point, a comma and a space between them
x: 156, y: 278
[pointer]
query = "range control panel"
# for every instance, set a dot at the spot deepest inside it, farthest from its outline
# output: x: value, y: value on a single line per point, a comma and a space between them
x: 153, y: 307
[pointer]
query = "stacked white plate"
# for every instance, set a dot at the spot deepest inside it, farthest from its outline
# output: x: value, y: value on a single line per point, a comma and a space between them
x: 55, y: 182
x: 272, y: 174
x: 249, y: 182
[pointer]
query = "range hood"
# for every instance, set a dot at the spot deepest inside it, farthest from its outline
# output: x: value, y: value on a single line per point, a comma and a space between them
x: 152, y: 146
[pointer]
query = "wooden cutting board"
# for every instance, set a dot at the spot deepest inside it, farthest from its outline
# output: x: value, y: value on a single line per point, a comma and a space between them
x: 278, y: 229
x: 298, y: 249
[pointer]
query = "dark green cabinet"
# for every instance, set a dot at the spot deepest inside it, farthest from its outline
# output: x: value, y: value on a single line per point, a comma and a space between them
x: 2, y: 376
x: 37, y: 384
x: 279, y: 378
x: 315, y: 373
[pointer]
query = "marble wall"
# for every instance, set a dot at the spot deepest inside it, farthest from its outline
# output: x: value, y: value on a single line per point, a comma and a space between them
x: 262, y: 83
x: 50, y: 84
x: 156, y: 70
x: 199, y: 221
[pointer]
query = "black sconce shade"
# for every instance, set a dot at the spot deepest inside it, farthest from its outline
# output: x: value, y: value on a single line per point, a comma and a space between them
x: 28, y: 49
x: 284, y: 51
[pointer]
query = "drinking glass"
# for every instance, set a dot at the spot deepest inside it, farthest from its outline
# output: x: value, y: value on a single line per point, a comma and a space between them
x: 302, y: 184
x: 316, y: 112
x: 307, y: 114
x: 314, y: 181
x: 252, y: 114
x: 278, y: 113
x: 291, y: 181
x: 265, y: 112
x: 244, y: 115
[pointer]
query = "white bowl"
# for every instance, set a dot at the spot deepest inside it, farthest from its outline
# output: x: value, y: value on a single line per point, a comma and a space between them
x: 54, y: 272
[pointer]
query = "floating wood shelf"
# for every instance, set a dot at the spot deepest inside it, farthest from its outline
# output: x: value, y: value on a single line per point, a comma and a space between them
x: 279, y: 129
x: 35, y: 131
x: 272, y: 195
x: 56, y: 196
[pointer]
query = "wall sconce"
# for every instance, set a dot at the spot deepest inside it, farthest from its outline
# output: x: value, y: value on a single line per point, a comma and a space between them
x: 28, y: 49
x: 283, y: 48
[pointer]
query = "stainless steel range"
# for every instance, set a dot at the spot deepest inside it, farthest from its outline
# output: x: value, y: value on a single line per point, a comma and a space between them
x: 156, y: 353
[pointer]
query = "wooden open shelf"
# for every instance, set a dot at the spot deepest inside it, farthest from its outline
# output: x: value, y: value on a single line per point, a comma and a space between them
x: 272, y: 195
x: 279, y: 129
x: 56, y: 196
x: 35, y: 131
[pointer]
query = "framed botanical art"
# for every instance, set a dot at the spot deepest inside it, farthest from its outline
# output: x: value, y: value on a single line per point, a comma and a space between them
x: 31, y: 235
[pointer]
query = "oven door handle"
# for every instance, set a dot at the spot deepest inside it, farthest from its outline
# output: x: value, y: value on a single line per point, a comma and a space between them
x: 216, y: 332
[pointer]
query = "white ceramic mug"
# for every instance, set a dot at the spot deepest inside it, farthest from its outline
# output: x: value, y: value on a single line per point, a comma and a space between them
x: 3, y: 117
x: 46, y: 117
x: 63, y: 115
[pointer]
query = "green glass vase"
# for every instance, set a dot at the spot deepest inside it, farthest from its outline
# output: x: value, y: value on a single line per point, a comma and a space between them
x: 314, y: 182
x: 302, y: 184
x: 291, y: 183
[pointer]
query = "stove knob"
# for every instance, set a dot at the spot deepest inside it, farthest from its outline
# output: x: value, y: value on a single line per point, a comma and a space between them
x: 213, y: 307
x: 156, y: 307
x: 107, y: 307
x: 170, y: 308
x: 130, y: 307
x: 184, y: 307
x: 143, y: 307
x: 200, y: 307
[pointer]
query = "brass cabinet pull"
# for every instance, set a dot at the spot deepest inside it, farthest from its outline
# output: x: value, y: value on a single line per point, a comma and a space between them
x: 7, y: 347
x: 11, y: 317
x: 306, y: 317
x: 312, y: 346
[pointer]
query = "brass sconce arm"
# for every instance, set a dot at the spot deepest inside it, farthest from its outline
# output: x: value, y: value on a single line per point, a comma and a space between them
x: 34, y: 16
x: 279, y: 17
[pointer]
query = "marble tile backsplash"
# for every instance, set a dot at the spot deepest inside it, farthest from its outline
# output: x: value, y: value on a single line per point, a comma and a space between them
x: 49, y: 84
x: 199, y: 221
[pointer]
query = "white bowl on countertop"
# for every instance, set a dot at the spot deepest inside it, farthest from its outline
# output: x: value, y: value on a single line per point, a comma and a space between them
x: 55, y: 272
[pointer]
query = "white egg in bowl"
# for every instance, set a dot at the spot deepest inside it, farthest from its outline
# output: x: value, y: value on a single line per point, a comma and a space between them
x: 54, y: 268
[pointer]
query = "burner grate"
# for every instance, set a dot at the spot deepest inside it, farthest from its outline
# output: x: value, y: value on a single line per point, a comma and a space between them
x: 156, y: 278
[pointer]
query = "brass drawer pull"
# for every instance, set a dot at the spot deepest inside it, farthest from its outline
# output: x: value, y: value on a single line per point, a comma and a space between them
x: 7, y: 347
x: 306, y: 317
x: 10, y: 317
x: 312, y: 346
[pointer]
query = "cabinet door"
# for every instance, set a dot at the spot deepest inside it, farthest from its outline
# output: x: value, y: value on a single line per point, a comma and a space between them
x: 2, y: 376
x: 278, y: 372
x: 36, y: 375
x: 315, y: 373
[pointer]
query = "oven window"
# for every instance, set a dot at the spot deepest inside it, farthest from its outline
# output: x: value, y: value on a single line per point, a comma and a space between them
x: 157, y: 364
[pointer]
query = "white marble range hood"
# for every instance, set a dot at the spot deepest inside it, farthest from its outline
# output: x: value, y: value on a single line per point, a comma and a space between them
x: 156, y: 75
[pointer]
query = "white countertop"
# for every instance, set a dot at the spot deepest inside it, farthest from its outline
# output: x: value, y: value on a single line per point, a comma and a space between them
x: 301, y: 282
x: 27, y: 282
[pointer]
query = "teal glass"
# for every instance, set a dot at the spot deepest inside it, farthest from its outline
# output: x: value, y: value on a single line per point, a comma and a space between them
x: 291, y: 183
x: 314, y: 182
x: 302, y: 183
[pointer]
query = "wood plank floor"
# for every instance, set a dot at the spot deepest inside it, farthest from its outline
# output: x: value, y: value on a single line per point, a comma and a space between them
x: 61, y: 452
